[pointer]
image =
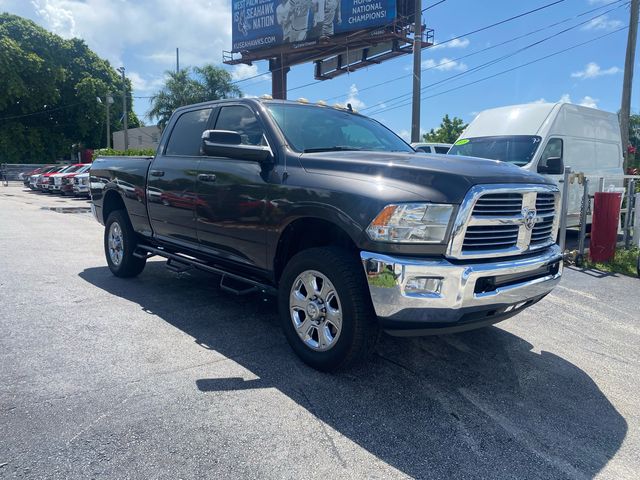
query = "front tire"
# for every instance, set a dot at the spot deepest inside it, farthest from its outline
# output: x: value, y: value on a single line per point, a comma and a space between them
x: 325, y: 309
x: 120, y: 243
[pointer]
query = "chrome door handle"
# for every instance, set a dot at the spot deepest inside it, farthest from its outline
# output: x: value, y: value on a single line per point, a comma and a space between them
x: 156, y: 173
x: 207, y: 177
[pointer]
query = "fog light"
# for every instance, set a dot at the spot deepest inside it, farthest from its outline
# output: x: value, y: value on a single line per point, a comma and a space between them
x: 424, y: 286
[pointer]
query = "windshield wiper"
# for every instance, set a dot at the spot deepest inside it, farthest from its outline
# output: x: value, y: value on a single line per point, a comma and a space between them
x: 336, y: 148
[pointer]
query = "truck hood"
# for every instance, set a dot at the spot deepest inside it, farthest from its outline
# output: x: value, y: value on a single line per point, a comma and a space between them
x: 439, y: 178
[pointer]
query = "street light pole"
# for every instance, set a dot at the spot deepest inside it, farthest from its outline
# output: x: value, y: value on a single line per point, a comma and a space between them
x: 109, y: 101
x: 124, y: 109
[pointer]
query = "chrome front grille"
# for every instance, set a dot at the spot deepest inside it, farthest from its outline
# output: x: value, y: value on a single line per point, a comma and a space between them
x: 545, y: 210
x: 500, y: 220
x: 483, y: 237
x: 499, y: 204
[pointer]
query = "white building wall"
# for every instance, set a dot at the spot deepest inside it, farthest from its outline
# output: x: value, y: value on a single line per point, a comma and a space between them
x: 139, y: 138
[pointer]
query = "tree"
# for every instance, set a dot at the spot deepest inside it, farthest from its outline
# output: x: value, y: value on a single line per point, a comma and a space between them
x: 188, y: 86
x: 448, y: 132
x: 48, y: 94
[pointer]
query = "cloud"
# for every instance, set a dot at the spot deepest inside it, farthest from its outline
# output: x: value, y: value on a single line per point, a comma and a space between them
x: 145, y: 84
x: 353, y: 99
x: 455, y: 43
x: 151, y: 28
x: 405, y: 135
x: 566, y: 98
x: 444, y: 65
x: 593, y: 70
x: 243, y: 71
x: 540, y: 100
x: 587, y: 101
x: 603, y: 23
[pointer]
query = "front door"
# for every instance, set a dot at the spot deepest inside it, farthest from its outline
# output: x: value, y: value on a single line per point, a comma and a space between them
x: 232, y: 194
x: 171, y: 189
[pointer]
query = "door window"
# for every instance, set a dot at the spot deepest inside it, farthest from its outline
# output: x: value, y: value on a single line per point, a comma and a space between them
x: 553, y: 149
x: 186, y: 136
x: 243, y: 121
x: 442, y: 150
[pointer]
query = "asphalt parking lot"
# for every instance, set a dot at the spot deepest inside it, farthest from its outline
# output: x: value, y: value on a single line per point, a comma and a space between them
x: 166, y: 376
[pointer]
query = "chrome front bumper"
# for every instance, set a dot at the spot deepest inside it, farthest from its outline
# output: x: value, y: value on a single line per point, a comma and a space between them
x: 467, y: 296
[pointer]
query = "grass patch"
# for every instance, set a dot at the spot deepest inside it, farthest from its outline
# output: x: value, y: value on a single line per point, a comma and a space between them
x: 624, y: 262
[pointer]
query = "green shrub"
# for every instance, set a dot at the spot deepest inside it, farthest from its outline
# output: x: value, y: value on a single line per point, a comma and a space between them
x: 624, y: 262
x: 110, y: 152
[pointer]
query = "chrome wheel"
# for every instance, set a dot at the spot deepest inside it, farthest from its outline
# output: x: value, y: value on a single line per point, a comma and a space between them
x: 116, y: 244
x: 315, y: 310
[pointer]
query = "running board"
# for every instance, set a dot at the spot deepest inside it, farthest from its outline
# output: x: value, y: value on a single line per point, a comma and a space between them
x: 176, y: 266
x: 181, y: 263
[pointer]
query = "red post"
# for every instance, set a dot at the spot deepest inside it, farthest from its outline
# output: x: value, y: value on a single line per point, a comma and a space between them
x: 604, y: 227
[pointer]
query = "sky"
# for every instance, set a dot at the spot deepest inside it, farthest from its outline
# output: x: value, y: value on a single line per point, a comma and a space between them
x: 142, y: 36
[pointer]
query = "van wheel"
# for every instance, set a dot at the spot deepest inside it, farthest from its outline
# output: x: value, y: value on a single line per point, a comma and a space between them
x: 119, y: 244
x: 325, y: 309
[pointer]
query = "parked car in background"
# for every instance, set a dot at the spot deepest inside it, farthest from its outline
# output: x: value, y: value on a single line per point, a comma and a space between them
x: 437, y: 148
x: 55, y: 180
x: 42, y: 183
x: 35, y: 176
x: 26, y: 176
x: 66, y: 184
x: 81, y: 185
x: 546, y: 137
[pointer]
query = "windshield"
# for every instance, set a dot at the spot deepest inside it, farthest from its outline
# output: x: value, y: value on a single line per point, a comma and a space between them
x: 70, y: 169
x: 309, y: 128
x: 516, y: 149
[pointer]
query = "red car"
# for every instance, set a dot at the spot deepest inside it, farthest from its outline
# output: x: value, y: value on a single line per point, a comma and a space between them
x: 57, y: 180
x: 42, y: 183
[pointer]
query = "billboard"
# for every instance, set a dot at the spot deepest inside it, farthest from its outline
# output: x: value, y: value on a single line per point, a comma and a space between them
x: 259, y: 24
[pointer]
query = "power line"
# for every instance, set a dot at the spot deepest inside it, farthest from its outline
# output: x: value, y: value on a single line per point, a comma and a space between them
x: 491, y: 47
x: 486, y: 64
x: 387, y: 109
x: 501, y: 22
x: 40, y: 112
x: 431, y: 6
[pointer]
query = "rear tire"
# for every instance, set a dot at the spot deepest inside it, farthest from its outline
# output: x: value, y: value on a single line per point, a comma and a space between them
x: 120, y: 243
x: 330, y: 323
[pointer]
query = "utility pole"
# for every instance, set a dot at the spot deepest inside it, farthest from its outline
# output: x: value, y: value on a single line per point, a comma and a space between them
x: 177, y: 59
x: 625, y: 109
x: 417, y: 69
x: 124, y: 109
x: 108, y: 101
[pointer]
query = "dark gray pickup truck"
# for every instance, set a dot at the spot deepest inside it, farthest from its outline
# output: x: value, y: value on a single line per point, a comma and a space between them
x: 336, y: 215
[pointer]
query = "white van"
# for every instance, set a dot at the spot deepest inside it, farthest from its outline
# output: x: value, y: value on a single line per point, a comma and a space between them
x: 546, y: 137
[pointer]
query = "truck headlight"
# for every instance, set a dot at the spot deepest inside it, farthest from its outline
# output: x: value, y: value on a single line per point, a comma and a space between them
x: 411, y: 223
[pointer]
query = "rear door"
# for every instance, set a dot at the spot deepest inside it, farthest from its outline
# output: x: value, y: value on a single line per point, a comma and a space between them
x: 232, y: 194
x: 171, y: 186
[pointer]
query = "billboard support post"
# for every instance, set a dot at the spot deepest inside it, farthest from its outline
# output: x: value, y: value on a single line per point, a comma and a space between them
x: 417, y: 66
x: 279, y: 72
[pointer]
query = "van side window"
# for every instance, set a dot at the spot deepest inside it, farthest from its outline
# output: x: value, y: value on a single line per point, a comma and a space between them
x: 242, y: 120
x: 552, y: 150
x: 186, y: 136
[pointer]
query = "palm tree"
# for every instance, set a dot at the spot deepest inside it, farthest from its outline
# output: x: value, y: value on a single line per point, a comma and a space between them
x: 188, y: 86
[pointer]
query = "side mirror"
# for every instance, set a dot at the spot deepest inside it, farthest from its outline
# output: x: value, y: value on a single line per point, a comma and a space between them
x: 225, y: 143
x: 554, y: 166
